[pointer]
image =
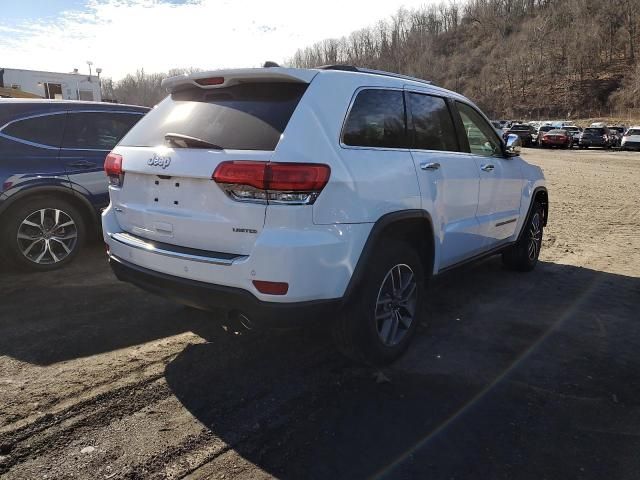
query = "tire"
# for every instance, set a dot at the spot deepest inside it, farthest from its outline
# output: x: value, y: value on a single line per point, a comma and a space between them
x: 357, y: 332
x: 39, y: 248
x: 523, y: 256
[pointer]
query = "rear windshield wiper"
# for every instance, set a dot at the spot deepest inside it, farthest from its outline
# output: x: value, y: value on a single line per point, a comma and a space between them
x: 185, y: 141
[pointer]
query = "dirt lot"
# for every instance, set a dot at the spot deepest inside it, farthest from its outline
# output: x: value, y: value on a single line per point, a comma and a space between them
x: 518, y: 376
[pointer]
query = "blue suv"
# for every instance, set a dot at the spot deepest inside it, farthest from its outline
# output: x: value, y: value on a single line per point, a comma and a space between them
x: 52, y: 183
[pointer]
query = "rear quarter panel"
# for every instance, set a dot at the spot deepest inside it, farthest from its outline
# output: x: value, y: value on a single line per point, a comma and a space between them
x: 365, y: 183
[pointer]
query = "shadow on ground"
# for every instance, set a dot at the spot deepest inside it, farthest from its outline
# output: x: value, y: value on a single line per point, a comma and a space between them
x: 82, y: 310
x: 519, y: 376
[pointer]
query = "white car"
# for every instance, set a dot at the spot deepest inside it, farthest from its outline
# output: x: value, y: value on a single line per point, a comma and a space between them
x: 631, y: 139
x: 287, y: 195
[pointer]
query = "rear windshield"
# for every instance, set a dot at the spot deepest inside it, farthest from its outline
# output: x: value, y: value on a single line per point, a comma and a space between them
x: 240, y: 117
x: 546, y: 128
x: 520, y: 127
x: 596, y: 131
x: 557, y: 131
x: 633, y: 132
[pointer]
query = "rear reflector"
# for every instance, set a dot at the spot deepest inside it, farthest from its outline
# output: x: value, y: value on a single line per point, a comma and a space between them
x: 210, y: 81
x: 286, y: 183
x: 271, y: 288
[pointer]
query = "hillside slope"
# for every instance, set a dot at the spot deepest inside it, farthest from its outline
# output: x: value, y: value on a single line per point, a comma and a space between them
x: 516, y: 58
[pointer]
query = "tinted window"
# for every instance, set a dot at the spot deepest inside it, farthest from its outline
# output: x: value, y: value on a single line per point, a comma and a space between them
x: 46, y: 130
x: 482, y: 138
x: 97, y: 130
x: 376, y: 119
x: 241, y: 117
x: 594, y: 131
x: 432, y: 124
x: 633, y: 132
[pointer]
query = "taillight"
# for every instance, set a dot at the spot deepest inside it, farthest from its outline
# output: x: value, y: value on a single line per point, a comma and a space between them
x: 277, y: 183
x: 113, y: 169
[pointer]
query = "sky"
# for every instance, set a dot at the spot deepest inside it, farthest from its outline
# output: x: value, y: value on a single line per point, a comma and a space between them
x: 121, y: 36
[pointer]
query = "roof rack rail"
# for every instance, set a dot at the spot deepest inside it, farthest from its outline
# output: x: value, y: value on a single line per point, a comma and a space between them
x: 352, y: 68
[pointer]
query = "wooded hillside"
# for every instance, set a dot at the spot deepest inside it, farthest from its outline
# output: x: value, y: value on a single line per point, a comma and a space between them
x: 515, y: 58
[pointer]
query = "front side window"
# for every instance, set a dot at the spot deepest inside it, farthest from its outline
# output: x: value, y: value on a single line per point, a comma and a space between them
x: 376, y: 119
x: 44, y: 130
x: 482, y: 138
x: 432, y: 123
x: 97, y: 130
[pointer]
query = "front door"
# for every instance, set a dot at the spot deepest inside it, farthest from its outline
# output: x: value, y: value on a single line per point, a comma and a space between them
x: 501, y: 180
x: 448, y: 178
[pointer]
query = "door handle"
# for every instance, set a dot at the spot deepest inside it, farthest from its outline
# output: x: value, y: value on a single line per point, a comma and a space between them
x: 81, y: 164
x: 487, y: 167
x: 430, y: 166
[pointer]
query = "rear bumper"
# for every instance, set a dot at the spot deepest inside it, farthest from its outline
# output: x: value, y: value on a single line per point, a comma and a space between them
x: 593, y: 142
x: 212, y: 297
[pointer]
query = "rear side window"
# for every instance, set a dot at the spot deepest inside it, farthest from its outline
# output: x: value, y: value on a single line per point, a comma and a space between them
x: 241, y: 117
x: 376, y: 119
x: 45, y: 130
x: 97, y: 130
x: 432, y: 123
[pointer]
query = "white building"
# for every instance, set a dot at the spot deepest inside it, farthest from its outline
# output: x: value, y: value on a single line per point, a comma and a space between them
x: 66, y: 86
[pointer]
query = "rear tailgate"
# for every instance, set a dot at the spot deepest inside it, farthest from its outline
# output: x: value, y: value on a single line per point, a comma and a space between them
x: 168, y: 196
x: 167, y: 193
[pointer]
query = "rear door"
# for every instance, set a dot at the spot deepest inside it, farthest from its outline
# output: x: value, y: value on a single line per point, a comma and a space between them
x: 29, y: 150
x: 88, y: 137
x: 448, y: 178
x: 167, y: 193
x: 501, y: 181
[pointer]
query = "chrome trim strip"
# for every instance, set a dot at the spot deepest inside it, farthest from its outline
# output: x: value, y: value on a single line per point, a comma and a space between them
x: 27, y: 142
x: 64, y: 112
x: 506, y: 222
x: 127, y: 240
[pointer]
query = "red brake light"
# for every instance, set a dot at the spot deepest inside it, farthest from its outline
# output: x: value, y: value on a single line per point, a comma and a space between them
x: 288, y: 183
x: 297, y: 177
x: 210, y: 81
x: 271, y: 288
x: 241, y: 173
x: 113, y: 164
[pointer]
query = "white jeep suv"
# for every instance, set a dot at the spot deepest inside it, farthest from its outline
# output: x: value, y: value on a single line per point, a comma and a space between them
x: 285, y: 195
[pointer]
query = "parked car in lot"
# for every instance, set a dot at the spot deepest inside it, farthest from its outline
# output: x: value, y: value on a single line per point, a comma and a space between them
x: 286, y: 195
x: 575, y: 132
x: 616, y: 135
x: 526, y: 133
x: 631, y: 139
x: 557, y: 138
x: 595, y: 137
x: 52, y: 185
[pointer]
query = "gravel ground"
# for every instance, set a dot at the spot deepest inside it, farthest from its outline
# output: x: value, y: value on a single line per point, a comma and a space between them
x: 517, y: 375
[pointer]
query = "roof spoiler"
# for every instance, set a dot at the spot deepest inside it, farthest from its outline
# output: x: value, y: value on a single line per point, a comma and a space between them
x: 226, y: 78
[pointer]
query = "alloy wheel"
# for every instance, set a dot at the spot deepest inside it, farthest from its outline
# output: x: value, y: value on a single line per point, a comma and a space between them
x: 47, y: 236
x: 396, y: 304
x: 535, y: 237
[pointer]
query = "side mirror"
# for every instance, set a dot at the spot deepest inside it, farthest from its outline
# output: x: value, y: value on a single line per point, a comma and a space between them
x: 513, y: 145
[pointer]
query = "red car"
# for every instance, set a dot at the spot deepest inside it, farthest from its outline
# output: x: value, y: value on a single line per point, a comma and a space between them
x: 557, y: 138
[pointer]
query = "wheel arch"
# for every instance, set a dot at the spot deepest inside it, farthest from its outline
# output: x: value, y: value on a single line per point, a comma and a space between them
x: 79, y: 201
x: 539, y: 195
x: 412, y: 226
